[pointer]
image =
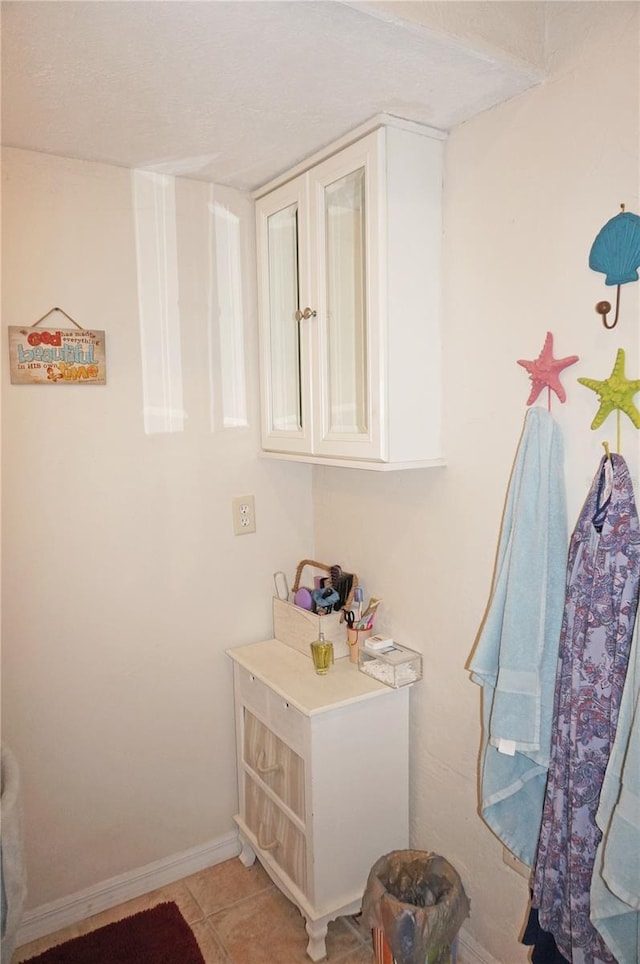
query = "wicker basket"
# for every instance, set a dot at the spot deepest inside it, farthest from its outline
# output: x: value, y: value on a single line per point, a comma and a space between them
x: 312, y: 564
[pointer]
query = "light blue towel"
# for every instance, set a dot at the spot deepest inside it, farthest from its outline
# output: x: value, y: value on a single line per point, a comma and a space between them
x: 517, y: 649
x: 615, y: 885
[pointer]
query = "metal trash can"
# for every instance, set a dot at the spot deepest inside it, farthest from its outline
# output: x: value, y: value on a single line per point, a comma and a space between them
x: 414, y: 903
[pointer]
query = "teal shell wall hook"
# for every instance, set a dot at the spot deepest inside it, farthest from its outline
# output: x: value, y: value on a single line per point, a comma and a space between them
x: 616, y: 252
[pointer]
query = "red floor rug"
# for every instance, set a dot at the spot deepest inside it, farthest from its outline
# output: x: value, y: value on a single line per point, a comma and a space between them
x: 157, y: 936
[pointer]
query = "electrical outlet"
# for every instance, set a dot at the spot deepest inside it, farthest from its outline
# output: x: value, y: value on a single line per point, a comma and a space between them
x: 515, y: 864
x: 244, y: 515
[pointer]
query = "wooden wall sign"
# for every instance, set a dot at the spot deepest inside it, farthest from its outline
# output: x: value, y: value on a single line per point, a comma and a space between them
x: 57, y: 356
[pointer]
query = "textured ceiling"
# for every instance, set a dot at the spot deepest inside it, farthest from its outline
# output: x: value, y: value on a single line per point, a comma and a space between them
x: 233, y: 92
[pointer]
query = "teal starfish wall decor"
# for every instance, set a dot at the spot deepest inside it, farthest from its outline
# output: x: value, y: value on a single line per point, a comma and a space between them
x: 616, y: 392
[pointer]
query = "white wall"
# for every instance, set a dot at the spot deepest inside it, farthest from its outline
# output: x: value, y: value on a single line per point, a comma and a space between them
x: 527, y: 187
x: 123, y: 581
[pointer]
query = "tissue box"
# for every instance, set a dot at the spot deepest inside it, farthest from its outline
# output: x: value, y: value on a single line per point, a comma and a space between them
x: 396, y: 666
x: 298, y: 628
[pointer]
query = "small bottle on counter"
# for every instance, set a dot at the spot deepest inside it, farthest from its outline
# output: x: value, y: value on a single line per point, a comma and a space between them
x: 322, y: 653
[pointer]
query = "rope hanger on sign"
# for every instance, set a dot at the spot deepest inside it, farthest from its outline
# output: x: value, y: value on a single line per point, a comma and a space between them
x: 63, y: 312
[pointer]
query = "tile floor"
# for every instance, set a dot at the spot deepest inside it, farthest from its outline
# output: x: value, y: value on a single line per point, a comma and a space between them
x: 238, y: 917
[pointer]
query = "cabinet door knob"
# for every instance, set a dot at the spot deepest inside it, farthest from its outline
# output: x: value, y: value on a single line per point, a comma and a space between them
x: 306, y: 314
x: 263, y: 767
x: 266, y: 846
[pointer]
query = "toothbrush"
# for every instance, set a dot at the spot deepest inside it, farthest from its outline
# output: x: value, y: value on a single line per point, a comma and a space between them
x: 366, y: 620
x: 358, y: 595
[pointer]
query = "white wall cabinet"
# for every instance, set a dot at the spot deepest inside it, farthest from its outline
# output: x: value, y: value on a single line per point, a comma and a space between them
x: 323, y: 777
x: 349, y: 300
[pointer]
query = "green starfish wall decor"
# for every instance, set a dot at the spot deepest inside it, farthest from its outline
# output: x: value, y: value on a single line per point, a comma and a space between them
x: 616, y: 392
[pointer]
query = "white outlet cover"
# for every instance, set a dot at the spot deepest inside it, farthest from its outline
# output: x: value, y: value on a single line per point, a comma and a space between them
x: 244, y: 515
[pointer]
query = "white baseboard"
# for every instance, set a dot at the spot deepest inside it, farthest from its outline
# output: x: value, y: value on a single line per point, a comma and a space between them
x: 470, y: 952
x: 51, y: 917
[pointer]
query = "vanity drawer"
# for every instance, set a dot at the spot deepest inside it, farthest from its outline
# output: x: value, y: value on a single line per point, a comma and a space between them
x: 252, y: 691
x: 276, y: 834
x: 274, y: 763
x: 275, y: 711
x: 287, y: 722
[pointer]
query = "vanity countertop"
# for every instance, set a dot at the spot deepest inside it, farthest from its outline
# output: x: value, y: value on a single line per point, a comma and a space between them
x: 291, y: 674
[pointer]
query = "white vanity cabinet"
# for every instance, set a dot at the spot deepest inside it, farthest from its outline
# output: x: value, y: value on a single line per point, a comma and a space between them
x: 349, y: 300
x: 322, y: 777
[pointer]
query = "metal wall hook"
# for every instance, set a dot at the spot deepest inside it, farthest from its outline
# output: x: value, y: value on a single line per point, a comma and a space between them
x: 604, y: 307
x: 616, y: 252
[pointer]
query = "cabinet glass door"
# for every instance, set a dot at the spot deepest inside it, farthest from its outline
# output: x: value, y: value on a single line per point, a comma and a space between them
x: 345, y: 300
x: 283, y: 295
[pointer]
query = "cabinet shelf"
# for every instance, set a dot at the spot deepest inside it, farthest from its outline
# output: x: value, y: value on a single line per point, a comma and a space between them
x: 358, y: 463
